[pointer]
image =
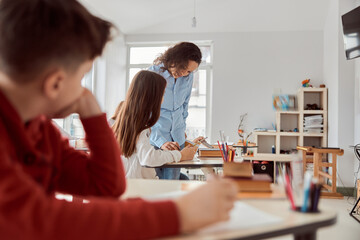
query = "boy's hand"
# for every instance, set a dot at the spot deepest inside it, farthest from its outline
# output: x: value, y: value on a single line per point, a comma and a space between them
x: 86, y: 106
x: 188, y: 153
x: 170, y: 146
x: 207, y: 204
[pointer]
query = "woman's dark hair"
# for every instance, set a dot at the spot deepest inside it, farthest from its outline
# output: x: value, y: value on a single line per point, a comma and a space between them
x: 179, y: 55
x: 38, y: 34
x: 140, y: 110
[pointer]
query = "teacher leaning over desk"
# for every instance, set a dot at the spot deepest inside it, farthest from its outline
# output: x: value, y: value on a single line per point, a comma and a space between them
x: 176, y: 65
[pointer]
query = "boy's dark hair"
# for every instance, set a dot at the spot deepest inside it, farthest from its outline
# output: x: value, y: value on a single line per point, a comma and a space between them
x: 38, y: 34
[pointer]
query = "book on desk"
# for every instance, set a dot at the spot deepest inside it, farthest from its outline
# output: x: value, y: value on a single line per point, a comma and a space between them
x: 255, y: 183
x: 246, y: 181
x: 210, y: 152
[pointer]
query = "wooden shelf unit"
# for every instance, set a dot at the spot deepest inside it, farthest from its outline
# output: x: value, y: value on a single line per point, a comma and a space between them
x: 289, y: 120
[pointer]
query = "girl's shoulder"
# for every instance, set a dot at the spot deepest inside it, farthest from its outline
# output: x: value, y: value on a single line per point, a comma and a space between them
x: 145, y: 133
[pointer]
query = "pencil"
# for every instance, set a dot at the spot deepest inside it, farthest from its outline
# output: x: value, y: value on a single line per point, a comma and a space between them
x: 221, y: 151
x: 289, y: 191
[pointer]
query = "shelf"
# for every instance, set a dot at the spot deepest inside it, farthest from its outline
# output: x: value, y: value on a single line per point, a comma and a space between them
x: 309, y: 89
x: 314, y: 112
x: 316, y: 141
x: 288, y: 112
x: 270, y: 157
x: 290, y: 134
x: 265, y: 133
x: 287, y: 140
x: 314, y: 134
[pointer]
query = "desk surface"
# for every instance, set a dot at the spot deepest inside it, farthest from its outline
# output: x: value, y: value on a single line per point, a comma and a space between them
x: 196, y: 163
x: 302, y: 225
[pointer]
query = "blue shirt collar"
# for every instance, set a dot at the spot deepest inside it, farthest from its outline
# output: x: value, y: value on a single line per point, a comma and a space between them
x: 166, y: 74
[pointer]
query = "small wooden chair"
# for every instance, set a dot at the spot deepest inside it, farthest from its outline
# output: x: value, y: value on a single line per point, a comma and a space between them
x: 319, y: 164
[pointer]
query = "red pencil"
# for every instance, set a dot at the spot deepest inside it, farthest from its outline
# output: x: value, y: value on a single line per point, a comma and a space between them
x: 289, y: 191
x: 221, y: 152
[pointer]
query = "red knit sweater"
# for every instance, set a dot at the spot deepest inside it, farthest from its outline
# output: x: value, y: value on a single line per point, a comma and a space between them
x: 35, y: 161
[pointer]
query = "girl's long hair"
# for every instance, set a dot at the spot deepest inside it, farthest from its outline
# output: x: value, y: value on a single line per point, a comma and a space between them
x: 140, y: 110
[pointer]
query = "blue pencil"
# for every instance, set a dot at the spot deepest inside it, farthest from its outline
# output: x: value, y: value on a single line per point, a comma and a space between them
x: 307, y: 184
x: 224, y: 149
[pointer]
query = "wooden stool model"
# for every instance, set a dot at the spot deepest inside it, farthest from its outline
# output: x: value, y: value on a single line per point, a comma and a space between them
x: 319, y: 164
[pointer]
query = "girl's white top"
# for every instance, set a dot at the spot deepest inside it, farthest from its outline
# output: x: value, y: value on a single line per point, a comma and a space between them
x: 142, y: 162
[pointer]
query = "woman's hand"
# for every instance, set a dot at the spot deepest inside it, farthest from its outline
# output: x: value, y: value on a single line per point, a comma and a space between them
x: 198, y: 139
x: 170, y: 146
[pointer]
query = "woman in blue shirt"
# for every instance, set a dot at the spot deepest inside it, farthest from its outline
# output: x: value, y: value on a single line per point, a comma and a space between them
x: 176, y: 65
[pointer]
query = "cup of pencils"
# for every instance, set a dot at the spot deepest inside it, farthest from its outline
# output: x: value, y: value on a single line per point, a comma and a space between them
x: 311, y: 194
x: 227, y: 152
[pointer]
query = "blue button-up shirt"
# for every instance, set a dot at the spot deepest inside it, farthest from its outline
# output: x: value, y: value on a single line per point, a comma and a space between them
x: 174, y: 110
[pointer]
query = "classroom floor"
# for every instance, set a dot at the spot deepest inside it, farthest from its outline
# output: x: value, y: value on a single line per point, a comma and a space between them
x: 346, y: 227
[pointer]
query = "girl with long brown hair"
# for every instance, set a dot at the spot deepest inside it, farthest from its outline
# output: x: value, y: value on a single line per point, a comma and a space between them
x: 137, y: 114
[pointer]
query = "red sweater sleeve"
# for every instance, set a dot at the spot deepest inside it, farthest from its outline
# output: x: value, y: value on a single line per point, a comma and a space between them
x: 27, y: 212
x: 100, y: 173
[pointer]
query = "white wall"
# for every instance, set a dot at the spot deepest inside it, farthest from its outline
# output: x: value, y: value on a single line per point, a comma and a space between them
x: 346, y: 105
x: 110, y: 75
x: 331, y: 70
x: 248, y: 66
x: 356, y: 107
x: 340, y: 79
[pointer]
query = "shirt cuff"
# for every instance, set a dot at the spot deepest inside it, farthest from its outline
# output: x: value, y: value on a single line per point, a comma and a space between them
x: 176, y: 155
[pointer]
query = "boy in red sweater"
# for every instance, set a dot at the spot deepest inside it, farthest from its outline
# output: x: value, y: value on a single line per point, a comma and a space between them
x: 46, y: 47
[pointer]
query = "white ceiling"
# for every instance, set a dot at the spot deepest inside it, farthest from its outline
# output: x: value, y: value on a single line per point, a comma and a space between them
x: 175, y: 16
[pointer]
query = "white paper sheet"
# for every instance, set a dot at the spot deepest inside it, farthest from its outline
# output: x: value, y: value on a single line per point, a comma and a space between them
x: 243, y: 216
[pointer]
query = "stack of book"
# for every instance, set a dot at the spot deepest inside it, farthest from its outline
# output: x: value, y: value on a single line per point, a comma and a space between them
x: 313, y: 124
x: 210, y: 152
x: 242, y: 174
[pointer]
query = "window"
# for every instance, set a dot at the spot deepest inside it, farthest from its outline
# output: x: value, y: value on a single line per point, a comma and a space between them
x: 141, y: 57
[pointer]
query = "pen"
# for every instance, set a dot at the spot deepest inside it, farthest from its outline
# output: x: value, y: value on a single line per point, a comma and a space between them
x: 192, y: 143
x: 316, y: 197
x: 289, y: 191
x: 227, y: 152
x: 312, y: 194
x: 222, y: 155
x: 224, y: 150
x: 307, y: 183
x: 203, y: 141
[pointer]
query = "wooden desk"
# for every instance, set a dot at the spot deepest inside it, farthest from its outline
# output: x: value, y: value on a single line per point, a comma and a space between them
x: 196, y: 163
x: 301, y: 225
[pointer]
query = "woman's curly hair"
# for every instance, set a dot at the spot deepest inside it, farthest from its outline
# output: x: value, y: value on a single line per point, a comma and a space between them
x: 179, y: 55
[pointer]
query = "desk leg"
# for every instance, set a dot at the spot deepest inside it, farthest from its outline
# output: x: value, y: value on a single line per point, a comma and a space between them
x: 305, y: 236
